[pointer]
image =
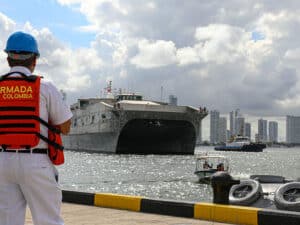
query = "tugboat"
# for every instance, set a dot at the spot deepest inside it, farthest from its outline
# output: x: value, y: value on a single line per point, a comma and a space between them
x: 241, y: 144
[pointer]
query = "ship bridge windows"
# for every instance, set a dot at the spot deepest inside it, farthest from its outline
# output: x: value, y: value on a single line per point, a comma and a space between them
x: 132, y: 97
x: 92, y: 118
x: 83, y: 103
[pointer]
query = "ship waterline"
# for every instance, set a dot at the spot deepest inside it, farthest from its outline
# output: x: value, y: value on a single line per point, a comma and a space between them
x: 133, y: 127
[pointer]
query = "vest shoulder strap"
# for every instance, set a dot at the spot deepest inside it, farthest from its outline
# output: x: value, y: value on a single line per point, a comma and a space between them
x: 31, y: 78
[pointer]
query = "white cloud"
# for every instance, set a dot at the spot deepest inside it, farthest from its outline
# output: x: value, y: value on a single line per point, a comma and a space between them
x: 287, y: 103
x: 187, y: 55
x: 6, y: 25
x: 291, y: 58
x: 155, y: 54
x: 78, y: 83
x: 273, y: 25
x: 292, y: 54
x: 201, y: 51
x: 221, y: 43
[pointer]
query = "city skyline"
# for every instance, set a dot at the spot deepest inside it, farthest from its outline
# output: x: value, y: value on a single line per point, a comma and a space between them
x: 253, y: 120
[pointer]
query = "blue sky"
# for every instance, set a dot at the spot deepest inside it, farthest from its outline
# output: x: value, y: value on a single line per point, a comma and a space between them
x: 63, y: 21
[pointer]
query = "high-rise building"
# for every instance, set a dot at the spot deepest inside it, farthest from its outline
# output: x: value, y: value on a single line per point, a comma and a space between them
x: 214, y: 126
x: 256, y: 138
x: 262, y: 130
x: 240, y: 125
x: 293, y: 129
x: 248, y: 130
x: 232, y: 123
x: 222, y: 130
x: 273, y: 131
x: 172, y: 100
x: 228, y: 135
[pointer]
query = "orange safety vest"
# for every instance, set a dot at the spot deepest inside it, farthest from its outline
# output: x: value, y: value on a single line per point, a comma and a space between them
x: 20, y: 117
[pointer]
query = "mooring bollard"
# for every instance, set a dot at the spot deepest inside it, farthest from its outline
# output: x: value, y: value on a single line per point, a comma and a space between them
x: 221, y: 183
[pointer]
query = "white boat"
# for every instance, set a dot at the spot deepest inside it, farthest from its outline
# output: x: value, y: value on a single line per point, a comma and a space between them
x: 208, y: 164
x: 243, y: 144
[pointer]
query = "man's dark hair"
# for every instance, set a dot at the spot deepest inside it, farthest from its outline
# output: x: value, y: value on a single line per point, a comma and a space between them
x: 18, y: 62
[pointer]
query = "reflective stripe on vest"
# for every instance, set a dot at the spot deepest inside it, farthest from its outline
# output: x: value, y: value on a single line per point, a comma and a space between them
x: 19, y: 110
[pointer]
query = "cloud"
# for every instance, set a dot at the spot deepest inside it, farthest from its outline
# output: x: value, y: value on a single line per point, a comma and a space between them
x: 154, y: 54
x: 204, y: 52
x: 221, y: 43
x: 187, y: 55
x: 7, y: 26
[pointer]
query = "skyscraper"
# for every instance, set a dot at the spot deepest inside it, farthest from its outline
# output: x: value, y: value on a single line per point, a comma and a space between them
x: 293, y: 129
x: 248, y: 130
x: 240, y: 125
x: 262, y: 130
x: 172, y: 100
x: 232, y: 123
x: 273, y: 131
x: 214, y: 126
x: 222, y: 129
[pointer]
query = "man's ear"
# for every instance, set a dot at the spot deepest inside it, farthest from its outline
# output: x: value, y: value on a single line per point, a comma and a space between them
x: 8, y: 61
x: 33, y: 64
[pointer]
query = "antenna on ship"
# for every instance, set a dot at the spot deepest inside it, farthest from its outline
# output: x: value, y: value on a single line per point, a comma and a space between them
x: 108, y: 90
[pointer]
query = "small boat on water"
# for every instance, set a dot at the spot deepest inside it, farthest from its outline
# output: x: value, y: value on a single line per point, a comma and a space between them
x: 242, y: 144
x: 208, y: 164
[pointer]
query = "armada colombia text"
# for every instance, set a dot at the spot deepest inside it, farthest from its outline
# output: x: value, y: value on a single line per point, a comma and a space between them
x: 128, y: 124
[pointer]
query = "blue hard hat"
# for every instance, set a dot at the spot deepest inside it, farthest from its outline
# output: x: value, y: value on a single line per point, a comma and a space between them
x: 22, y: 42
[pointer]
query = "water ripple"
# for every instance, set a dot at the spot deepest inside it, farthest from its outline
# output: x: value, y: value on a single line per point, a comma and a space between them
x: 166, y: 176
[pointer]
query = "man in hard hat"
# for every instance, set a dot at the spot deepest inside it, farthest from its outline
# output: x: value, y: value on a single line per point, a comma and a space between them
x: 27, y: 104
x: 220, y: 167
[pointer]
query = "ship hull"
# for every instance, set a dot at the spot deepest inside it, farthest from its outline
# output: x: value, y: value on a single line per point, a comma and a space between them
x: 138, y: 137
x: 244, y: 148
x: 144, y: 136
x: 91, y: 142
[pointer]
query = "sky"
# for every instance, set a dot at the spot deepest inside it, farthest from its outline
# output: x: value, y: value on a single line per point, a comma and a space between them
x: 221, y: 55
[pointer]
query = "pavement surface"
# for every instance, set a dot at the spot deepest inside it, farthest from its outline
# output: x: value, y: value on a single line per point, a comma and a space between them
x: 74, y: 214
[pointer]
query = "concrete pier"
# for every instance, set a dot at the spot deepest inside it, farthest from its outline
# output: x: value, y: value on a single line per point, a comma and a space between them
x: 75, y: 214
x: 80, y: 208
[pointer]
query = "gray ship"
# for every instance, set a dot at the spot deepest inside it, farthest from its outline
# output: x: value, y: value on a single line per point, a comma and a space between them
x: 127, y: 124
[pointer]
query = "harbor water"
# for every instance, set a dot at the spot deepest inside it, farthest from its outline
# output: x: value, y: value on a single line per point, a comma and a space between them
x: 167, y: 176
